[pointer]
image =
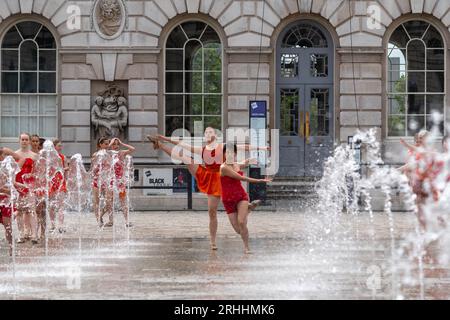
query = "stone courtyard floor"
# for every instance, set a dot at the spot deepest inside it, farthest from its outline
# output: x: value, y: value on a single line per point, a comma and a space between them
x: 167, y: 256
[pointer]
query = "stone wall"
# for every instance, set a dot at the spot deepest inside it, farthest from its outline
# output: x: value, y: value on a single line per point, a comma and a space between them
x: 135, y: 56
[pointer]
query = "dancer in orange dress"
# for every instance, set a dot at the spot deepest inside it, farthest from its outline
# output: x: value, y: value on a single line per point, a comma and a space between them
x: 26, y: 214
x: 206, y: 174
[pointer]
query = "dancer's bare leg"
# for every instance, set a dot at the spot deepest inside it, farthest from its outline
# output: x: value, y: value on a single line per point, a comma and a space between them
x: 242, y: 218
x: 232, y: 217
x: 188, y: 161
x: 213, y: 203
x: 8, y: 233
x: 96, y: 205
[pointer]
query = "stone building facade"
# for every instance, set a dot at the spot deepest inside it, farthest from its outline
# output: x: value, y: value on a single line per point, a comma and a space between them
x: 258, y: 60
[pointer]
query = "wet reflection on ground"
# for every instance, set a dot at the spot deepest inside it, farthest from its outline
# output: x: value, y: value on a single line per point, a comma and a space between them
x: 168, y: 257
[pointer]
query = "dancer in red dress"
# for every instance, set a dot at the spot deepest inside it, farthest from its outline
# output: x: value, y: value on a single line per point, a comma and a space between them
x: 234, y: 197
x: 119, y: 170
x: 58, y: 191
x: 5, y: 209
x: 26, y: 214
x: 103, y: 189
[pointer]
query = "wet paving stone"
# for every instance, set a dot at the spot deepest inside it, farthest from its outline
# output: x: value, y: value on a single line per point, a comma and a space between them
x: 166, y: 255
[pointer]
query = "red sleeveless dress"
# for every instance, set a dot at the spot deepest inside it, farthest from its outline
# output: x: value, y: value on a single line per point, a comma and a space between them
x: 58, y: 181
x: 208, y: 174
x: 5, y: 211
x: 24, y: 176
x: 232, y: 193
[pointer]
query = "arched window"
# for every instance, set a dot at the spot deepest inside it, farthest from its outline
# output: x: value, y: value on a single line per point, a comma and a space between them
x: 193, y: 90
x: 416, y: 78
x: 28, y: 81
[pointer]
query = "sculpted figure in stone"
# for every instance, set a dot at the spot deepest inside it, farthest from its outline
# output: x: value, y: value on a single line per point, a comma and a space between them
x: 109, y: 17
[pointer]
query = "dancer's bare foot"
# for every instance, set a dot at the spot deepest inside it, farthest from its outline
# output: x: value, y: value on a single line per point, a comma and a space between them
x: 154, y: 140
x: 247, y: 251
x: 213, y: 246
x: 254, y: 204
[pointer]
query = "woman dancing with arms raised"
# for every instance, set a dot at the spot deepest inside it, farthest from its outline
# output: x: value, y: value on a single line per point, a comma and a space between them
x: 206, y: 174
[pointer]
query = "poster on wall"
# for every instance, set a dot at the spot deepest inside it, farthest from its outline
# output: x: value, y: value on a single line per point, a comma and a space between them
x: 180, y: 180
x: 158, y: 178
x: 258, y: 124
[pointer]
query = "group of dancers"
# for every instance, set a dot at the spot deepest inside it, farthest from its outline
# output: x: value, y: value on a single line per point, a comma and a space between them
x: 30, y: 207
x: 219, y: 176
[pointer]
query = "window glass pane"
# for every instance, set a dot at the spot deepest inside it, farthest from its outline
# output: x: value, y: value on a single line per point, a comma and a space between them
x: 431, y: 124
x: 174, y: 59
x: 399, y: 38
x: 319, y: 65
x: 28, y: 29
x: 435, y: 59
x: 416, y: 104
x: 213, y: 57
x: 12, y: 39
x: 47, y: 127
x: 397, y: 104
x: 10, y: 105
x: 176, y: 39
x: 416, y: 28
x: 416, y: 55
x: 194, y: 104
x: 194, y: 124
x: 47, y: 60
x: 289, y: 112
x: 47, y: 105
x: 210, y: 36
x: 415, y: 124
x: 304, y: 36
x: 398, y: 83
x: 10, y: 59
x: 9, y: 82
x: 10, y: 126
x: 45, y: 39
x: 174, y: 82
x: 416, y: 81
x: 396, y: 126
x: 28, y: 82
x: 47, y: 82
x: 435, y: 81
x: 194, y: 29
x: 319, y: 112
x: 193, y: 55
x: 213, y: 122
x: 28, y: 106
x: 435, y: 102
x: 193, y: 82
x: 28, y: 56
x: 29, y: 124
x: 174, y: 104
x: 213, y: 82
x: 213, y: 104
x: 289, y: 65
x: 433, y: 38
x: 173, y: 123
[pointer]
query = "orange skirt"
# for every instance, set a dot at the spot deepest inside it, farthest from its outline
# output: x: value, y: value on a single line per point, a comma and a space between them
x: 208, y: 182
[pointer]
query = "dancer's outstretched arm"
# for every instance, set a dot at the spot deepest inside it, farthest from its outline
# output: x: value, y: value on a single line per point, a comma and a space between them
x: 184, y: 145
x: 227, y: 171
x: 9, y: 152
x: 247, y: 162
x: 409, y: 146
x: 249, y: 147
